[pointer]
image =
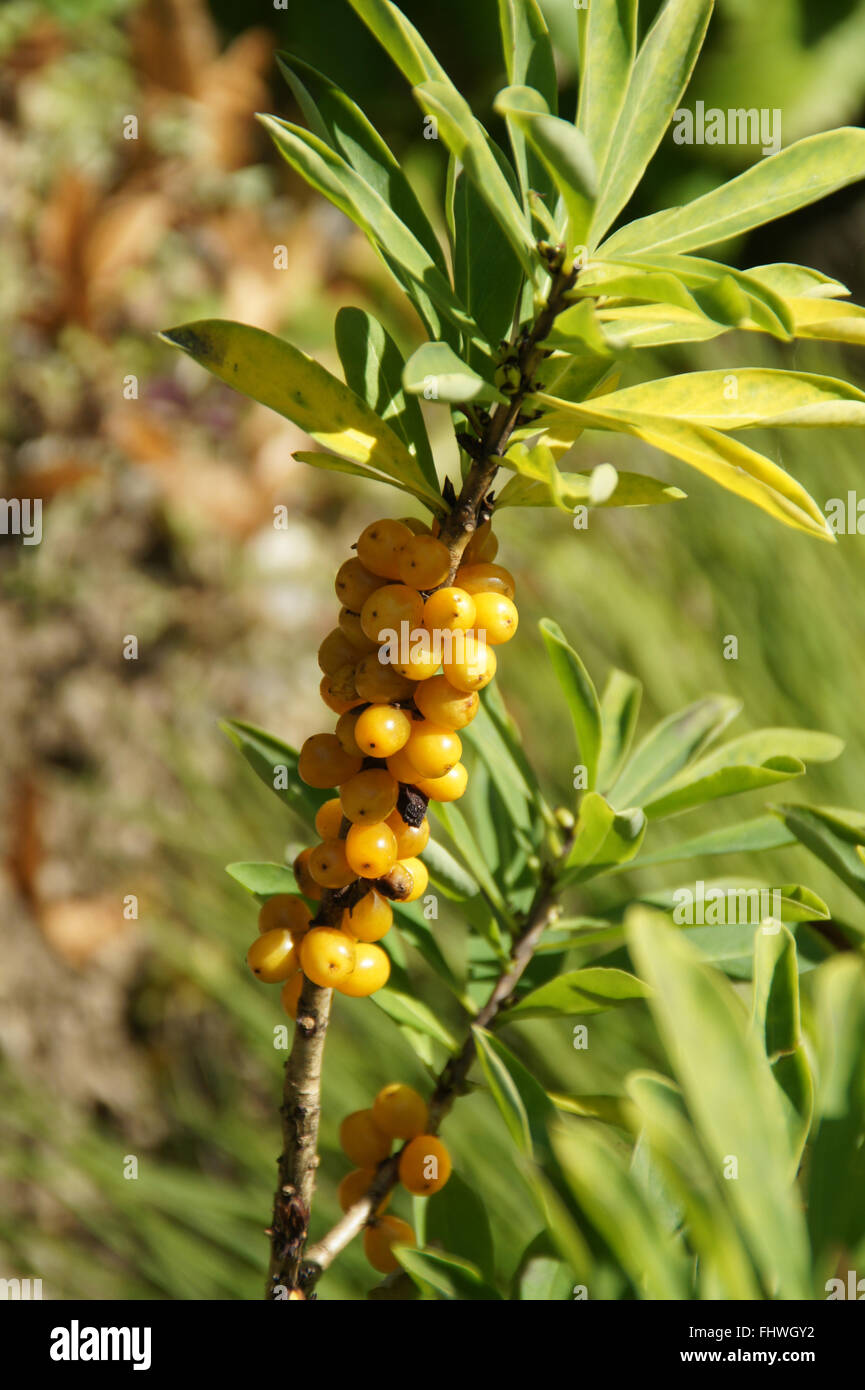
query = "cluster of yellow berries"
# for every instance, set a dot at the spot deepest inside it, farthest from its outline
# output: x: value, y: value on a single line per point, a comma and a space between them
x: 396, y: 744
x: 366, y: 1137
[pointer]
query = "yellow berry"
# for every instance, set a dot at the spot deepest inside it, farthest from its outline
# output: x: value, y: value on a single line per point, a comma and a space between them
x: 482, y: 546
x: 345, y: 733
x: 335, y: 651
x: 387, y: 608
x: 439, y: 702
x: 399, y: 1111
x: 424, y: 563
x: 286, y: 912
x: 447, y: 788
x: 305, y: 881
x: 419, y: 876
x: 381, y: 730
x: 273, y: 956
x: 290, y: 993
x: 354, y: 584
x: 379, y: 683
x: 370, y: 850
x: 322, y: 763
x: 329, y: 866
x: 338, y: 691
x: 423, y: 657
x: 432, y: 749
x: 410, y: 839
x: 362, y: 1141
x: 327, y: 956
x: 371, y: 971
x: 369, y: 796
x: 350, y: 627
x: 415, y: 525
x: 473, y: 668
x: 424, y: 1165
x: 486, y: 578
x: 496, y: 616
x: 449, y: 610
x: 356, y: 1185
x: 370, y: 918
x: 379, y: 1240
x: 379, y: 547
x: 328, y: 819
x: 402, y: 768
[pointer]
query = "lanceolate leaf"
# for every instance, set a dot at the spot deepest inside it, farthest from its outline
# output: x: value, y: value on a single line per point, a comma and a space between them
x: 453, y: 1279
x: 620, y: 707
x: 834, y: 836
x: 265, y: 880
x: 589, y: 991
x: 775, y: 1002
x: 528, y: 56
x: 745, y: 837
x: 562, y: 149
x: 400, y: 39
x: 610, y: 45
x: 435, y: 372
x: 725, y: 781
x: 670, y: 745
x: 275, y: 763
x: 570, y: 490
x: 579, y: 693
x: 487, y: 273
x: 744, y: 398
x: 836, y: 1214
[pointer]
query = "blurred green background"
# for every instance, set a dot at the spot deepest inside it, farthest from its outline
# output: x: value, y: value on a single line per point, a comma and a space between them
x: 145, y: 1036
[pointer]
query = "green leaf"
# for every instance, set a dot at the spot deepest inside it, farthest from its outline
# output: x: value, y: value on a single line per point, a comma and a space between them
x: 579, y: 692
x: 593, y: 825
x: 762, y: 398
x: 658, y: 78
x: 487, y: 274
x: 569, y: 490
x: 450, y: 1277
x: 316, y: 458
x: 562, y: 149
x: 541, y: 1277
x: 435, y: 372
x: 726, y: 781
x: 413, y: 1013
x: 654, y: 325
x: 609, y: 48
x: 522, y: 1101
x: 448, y: 874
x: 836, y: 1179
x: 373, y: 365
x: 833, y: 836
x: 706, y: 1035
x: 745, y: 837
x: 459, y: 1222
x: 275, y: 763
x: 670, y: 745
x: 400, y: 39
x: 804, y: 173
x: 828, y: 320
x: 775, y: 1000
x: 748, y: 901
x: 592, y: 990
x: 794, y: 280
x: 265, y: 880
x: 620, y: 708
x: 283, y: 378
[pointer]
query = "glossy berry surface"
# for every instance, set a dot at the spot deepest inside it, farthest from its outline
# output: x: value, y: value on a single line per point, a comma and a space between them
x: 371, y: 971
x: 327, y: 956
x: 388, y: 608
x: 362, y: 1141
x: 305, y: 881
x: 369, y: 796
x: 371, y: 849
x: 382, y: 730
x: 354, y: 584
x: 497, y: 617
x: 448, y: 788
x: 289, y: 995
x: 272, y: 957
x: 328, y: 819
x: 378, y: 683
x: 449, y: 610
x: 419, y: 878
x: 379, y: 1240
x: 432, y: 749
x: 400, y: 1111
x: 410, y: 839
x: 380, y: 547
x: 442, y: 703
x: 355, y: 1185
x: 329, y: 864
x: 424, y: 563
x: 473, y: 668
x: 486, y: 578
x: 323, y: 763
x: 286, y: 912
x: 424, y: 1165
x: 370, y: 919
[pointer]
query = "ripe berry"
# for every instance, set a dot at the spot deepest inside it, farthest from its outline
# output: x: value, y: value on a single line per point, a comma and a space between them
x: 370, y: 918
x: 338, y: 692
x: 402, y: 769
x: 379, y: 683
x: 416, y: 526
x: 379, y: 1240
x: 424, y: 658
x: 485, y: 579
x: 354, y: 584
x: 322, y: 763
x: 447, y: 788
x: 362, y: 1141
x: 473, y: 668
x: 327, y: 956
x: 399, y: 1111
x: 273, y: 956
x: 369, y: 796
x: 424, y: 563
x: 286, y: 912
x: 328, y: 819
x: 439, y: 702
x: 381, y: 730
x: 356, y: 1185
x: 370, y: 850
x: 449, y: 610
x: 389, y: 606
x: 290, y: 993
x: 371, y: 971
x: 397, y: 884
x: 482, y: 546
x: 329, y: 866
x: 349, y: 626
x: 410, y: 839
x: 335, y: 651
x: 380, y: 545
x: 305, y: 881
x: 496, y: 616
x: 419, y: 877
x: 345, y: 733
x: 424, y: 1165
x: 432, y: 749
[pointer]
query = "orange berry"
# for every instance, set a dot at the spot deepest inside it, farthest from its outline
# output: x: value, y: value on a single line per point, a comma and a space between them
x: 380, y: 545
x: 424, y: 563
x: 482, y: 546
x: 289, y: 995
x: 497, y: 617
x: 402, y: 768
x: 370, y: 918
x: 328, y: 819
x: 338, y: 692
x: 449, y: 610
x: 371, y: 971
x: 362, y: 1141
x: 369, y: 796
x: 389, y: 606
x: 447, y: 788
x: 415, y: 525
x: 322, y: 763
x: 440, y: 703
x: 419, y: 876
x: 410, y: 839
x: 432, y: 749
x: 335, y: 651
x: 305, y: 881
x: 354, y: 584
x: 379, y: 683
x: 424, y: 1165
x: 345, y: 733
x: 379, y: 1240
x: 349, y: 626
x: 356, y: 1185
x: 286, y: 912
x: 381, y: 730
x: 423, y: 657
x: 370, y: 850
x: 486, y: 578
x: 273, y: 956
x: 400, y: 1111
x: 473, y: 668
x: 327, y: 956
x: 329, y: 866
